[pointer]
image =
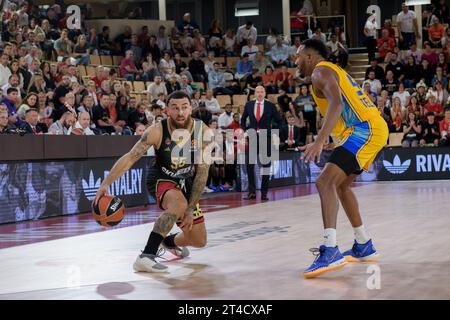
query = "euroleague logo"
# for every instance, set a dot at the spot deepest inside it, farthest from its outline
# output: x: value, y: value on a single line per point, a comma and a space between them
x: 115, y: 205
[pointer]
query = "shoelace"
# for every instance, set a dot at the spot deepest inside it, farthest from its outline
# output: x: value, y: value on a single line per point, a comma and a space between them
x: 316, y: 252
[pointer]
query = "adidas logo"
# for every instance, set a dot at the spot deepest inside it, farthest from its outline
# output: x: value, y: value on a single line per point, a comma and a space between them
x: 90, y: 188
x: 397, y: 167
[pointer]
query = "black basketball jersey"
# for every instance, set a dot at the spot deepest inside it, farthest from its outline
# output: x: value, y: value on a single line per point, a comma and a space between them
x: 177, y: 151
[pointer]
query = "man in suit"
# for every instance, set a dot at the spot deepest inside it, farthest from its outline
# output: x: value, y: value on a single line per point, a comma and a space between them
x: 31, y: 119
x: 260, y: 113
x: 291, y: 135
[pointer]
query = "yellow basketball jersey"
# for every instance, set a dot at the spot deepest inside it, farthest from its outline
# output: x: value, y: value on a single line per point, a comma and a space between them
x: 357, y: 106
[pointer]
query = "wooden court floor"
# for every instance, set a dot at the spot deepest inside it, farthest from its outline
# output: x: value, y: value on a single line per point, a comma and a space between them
x: 254, y: 252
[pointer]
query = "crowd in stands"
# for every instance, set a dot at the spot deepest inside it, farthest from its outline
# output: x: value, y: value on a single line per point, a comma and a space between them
x: 44, y: 90
x: 408, y: 84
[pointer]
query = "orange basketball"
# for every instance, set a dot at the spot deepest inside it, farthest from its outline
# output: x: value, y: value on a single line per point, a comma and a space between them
x: 109, y: 211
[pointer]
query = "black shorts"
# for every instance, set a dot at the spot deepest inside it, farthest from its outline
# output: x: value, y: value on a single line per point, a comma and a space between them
x: 345, y: 160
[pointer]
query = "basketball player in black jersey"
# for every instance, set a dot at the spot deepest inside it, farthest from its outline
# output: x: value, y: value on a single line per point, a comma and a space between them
x: 176, y: 180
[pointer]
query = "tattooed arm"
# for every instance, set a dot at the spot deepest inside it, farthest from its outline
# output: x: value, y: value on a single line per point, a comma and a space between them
x: 201, y: 176
x: 150, y: 138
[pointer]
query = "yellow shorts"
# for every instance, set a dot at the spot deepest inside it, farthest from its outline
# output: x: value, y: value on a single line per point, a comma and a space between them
x: 365, y: 140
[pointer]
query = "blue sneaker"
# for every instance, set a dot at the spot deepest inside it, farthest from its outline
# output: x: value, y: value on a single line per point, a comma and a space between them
x: 362, y: 253
x: 214, y: 188
x: 221, y: 187
x: 327, y: 259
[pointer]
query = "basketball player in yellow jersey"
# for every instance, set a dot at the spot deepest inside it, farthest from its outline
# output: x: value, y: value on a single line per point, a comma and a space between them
x: 361, y: 133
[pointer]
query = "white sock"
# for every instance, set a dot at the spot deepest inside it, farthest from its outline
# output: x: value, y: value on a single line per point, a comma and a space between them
x: 360, y: 235
x: 329, y: 236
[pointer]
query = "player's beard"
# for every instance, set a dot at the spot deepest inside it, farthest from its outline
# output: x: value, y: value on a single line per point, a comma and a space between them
x: 175, y: 124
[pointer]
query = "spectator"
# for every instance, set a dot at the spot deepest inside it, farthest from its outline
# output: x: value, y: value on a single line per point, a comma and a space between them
x: 215, y: 37
x: 199, y: 43
x: 442, y: 63
x: 338, y: 53
x: 398, y: 116
x: 271, y: 39
x: 420, y: 93
x: 252, y: 81
x: 408, y: 27
x: 279, y: 53
x: 128, y: 68
x: 370, y: 31
x: 429, y: 54
x: 152, y: 47
x: 306, y: 104
x: 156, y: 88
x: 440, y: 92
x: 229, y: 43
x: 396, y: 67
x: 3, y: 122
x: 439, y: 76
x: 144, y: 37
x: 261, y: 62
x: 299, y: 24
x: 366, y: 89
x: 284, y: 100
x: 81, y: 127
x: 62, y: 125
x: 444, y: 127
x: 226, y: 118
x: 411, y: 71
x: 402, y: 94
x: 5, y: 72
x: 123, y: 40
x: 290, y: 135
x: 102, y: 117
x: 63, y: 46
x: 414, y: 52
x: 211, y: 103
x: 150, y: 68
x: 379, y: 71
x: 187, y: 44
x: 31, y: 121
x: 375, y: 84
x: 185, y: 86
x: 167, y: 67
x: 11, y: 100
x: 244, y: 68
x: 283, y: 78
x: 216, y: 81
x: 425, y: 72
x: 181, y: 67
x: 197, y: 68
x: 387, y: 25
x: 433, y: 105
x: 105, y: 46
x: 385, y: 44
x: 136, y: 49
x: 30, y: 102
x: 172, y: 85
x: 245, y: 32
x: 13, y: 82
x: 411, y: 130
x: 187, y: 25
x: 250, y: 49
x: 436, y: 33
x: 137, y: 117
x: 269, y: 80
x: 446, y: 38
x: 431, y: 135
x: 441, y: 11
x: 162, y: 40
x: 319, y: 35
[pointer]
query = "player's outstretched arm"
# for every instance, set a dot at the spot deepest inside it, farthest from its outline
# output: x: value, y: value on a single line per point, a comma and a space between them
x: 150, y: 138
x: 325, y: 81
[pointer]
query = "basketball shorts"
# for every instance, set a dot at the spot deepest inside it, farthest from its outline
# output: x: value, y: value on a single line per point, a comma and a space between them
x: 359, y: 147
x: 162, y: 186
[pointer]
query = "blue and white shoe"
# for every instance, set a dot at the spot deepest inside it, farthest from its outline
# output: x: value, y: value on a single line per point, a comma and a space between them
x: 213, y: 188
x: 362, y: 253
x: 327, y: 259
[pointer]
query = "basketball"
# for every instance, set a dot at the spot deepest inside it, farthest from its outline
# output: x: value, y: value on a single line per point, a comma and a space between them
x: 109, y: 211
